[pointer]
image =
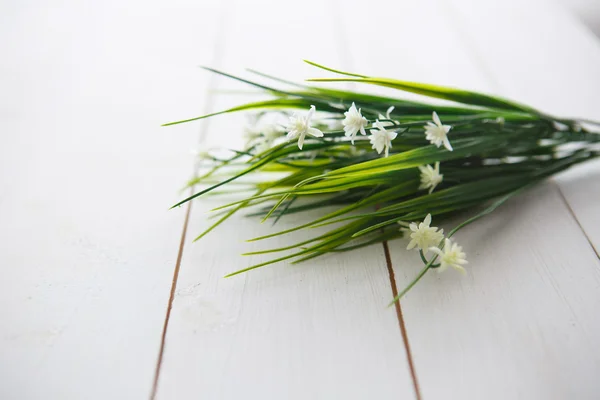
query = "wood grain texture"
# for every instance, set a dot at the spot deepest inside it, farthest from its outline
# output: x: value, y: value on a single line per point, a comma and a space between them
x: 318, y: 330
x: 87, y: 245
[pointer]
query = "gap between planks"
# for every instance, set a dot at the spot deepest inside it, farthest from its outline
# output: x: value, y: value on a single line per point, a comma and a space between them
x: 574, y: 216
x: 403, y: 331
x: 170, y: 303
x: 346, y: 61
x: 211, y: 86
x: 208, y: 94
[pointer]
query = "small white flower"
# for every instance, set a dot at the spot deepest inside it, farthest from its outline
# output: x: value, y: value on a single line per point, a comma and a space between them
x: 437, y: 133
x: 381, y: 139
x: 299, y: 127
x: 354, y: 122
x: 451, y: 256
x: 430, y: 176
x: 424, y: 236
x: 500, y: 120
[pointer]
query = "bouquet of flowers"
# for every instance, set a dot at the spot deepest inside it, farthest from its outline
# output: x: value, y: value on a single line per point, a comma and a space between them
x: 387, y: 165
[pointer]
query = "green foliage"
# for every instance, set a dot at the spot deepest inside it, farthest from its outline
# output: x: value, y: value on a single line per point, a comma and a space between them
x: 500, y: 148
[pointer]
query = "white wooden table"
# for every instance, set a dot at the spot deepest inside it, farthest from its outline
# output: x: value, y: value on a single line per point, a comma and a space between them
x: 91, y: 259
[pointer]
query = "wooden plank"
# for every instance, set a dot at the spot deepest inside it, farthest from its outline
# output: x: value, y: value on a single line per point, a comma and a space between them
x: 520, y: 324
x: 318, y: 330
x: 87, y: 245
x: 581, y: 190
x: 549, y: 68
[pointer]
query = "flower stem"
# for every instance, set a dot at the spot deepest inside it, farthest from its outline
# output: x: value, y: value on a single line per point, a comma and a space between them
x: 413, y: 283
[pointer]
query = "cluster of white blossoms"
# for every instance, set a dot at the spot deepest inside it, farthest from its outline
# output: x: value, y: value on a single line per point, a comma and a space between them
x: 354, y: 122
x: 381, y: 138
x: 451, y: 256
x: 425, y: 237
x: 262, y: 137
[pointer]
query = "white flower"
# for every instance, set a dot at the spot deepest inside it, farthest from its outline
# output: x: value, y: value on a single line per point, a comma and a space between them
x: 430, y: 176
x: 437, y: 133
x: 451, y: 256
x: 424, y: 236
x: 299, y: 127
x: 354, y: 122
x: 381, y: 138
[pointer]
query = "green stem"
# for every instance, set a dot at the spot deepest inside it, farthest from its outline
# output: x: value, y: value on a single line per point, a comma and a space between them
x: 413, y: 283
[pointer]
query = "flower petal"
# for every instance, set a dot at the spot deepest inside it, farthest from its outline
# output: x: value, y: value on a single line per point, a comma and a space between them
x: 389, y: 111
x: 447, y: 144
x: 314, y: 132
x: 310, y: 114
x: 436, y: 119
x: 427, y: 220
x: 437, y: 250
x: 301, y: 142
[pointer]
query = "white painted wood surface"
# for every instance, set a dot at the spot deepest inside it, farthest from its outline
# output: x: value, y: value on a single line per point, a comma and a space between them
x: 87, y: 244
x: 521, y: 324
x: 88, y: 248
x: 314, y: 331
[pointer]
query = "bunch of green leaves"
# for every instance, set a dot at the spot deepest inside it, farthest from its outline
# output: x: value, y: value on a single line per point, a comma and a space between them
x: 500, y: 147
